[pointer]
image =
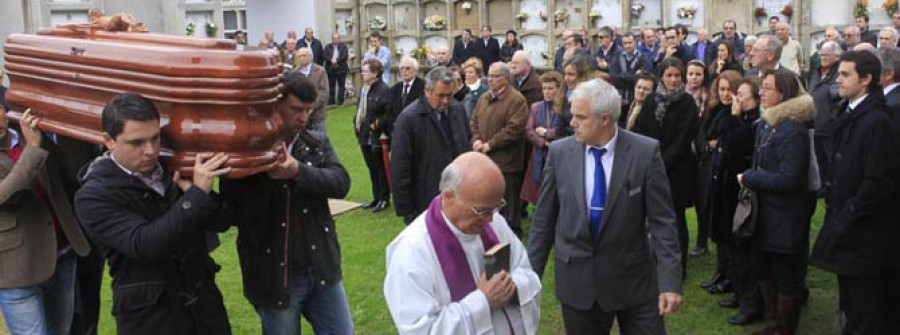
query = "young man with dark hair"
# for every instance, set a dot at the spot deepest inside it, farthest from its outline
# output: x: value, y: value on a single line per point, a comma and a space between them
x: 487, y: 48
x: 464, y: 48
x: 866, y: 35
x: 287, y: 242
x: 854, y: 242
x: 151, y: 224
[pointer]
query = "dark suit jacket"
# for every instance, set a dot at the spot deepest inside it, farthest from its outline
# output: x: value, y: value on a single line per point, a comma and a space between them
x: 488, y: 54
x: 709, y: 54
x: 397, y: 103
x: 27, y: 243
x: 531, y: 88
x: 461, y: 54
x: 316, y: 47
x: 624, y: 74
x: 420, y: 151
x: 378, y: 107
x: 620, y: 269
x: 341, y: 66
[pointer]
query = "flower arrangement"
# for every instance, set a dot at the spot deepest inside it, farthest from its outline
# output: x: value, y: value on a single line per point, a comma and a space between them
x: 890, y: 7
x: 522, y: 16
x: 595, y: 13
x: 636, y: 10
x: 542, y: 15
x: 561, y: 15
x: 398, y: 52
x: 760, y: 14
x: 434, y: 22
x: 211, y: 29
x: 687, y: 12
x: 467, y: 6
x: 422, y: 52
x: 348, y: 22
x: 860, y: 8
x: 189, y: 29
x: 788, y: 11
x: 377, y: 23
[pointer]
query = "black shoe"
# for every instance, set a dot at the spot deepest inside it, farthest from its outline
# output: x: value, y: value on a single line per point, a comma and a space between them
x: 743, y: 319
x: 698, y: 251
x: 722, y: 287
x: 728, y: 303
x: 370, y: 204
x: 381, y: 206
x: 718, y: 277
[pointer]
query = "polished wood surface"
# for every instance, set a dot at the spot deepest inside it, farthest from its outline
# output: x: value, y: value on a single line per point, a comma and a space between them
x: 211, y: 96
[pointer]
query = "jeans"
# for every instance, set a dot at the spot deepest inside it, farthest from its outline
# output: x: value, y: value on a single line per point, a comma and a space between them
x: 43, y: 308
x: 326, y: 309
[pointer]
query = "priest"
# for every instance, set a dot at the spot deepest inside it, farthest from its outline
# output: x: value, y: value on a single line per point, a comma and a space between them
x: 436, y: 283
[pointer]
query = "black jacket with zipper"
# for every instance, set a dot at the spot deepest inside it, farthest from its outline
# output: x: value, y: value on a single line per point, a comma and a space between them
x: 267, y: 244
x: 163, y: 276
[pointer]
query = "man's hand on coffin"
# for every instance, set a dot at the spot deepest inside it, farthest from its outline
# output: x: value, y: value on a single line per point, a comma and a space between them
x: 207, y: 167
x: 498, y: 290
x: 30, y: 128
x: 287, y: 168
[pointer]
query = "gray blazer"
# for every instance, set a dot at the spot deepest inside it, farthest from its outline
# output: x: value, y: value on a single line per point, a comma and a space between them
x: 618, y: 270
x: 27, y: 237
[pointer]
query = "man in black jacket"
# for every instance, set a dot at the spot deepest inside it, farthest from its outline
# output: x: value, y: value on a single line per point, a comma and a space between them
x: 428, y: 135
x: 855, y: 238
x: 151, y: 226
x: 408, y: 89
x: 309, y: 41
x: 487, y: 48
x: 336, y: 55
x: 464, y: 48
x: 287, y: 242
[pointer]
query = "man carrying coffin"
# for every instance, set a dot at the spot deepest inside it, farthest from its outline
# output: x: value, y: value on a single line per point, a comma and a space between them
x: 436, y: 281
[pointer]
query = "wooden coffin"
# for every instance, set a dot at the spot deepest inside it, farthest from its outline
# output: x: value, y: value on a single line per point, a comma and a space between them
x: 211, y: 96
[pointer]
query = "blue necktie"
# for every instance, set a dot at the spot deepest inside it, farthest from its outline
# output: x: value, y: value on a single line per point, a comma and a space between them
x: 598, y: 199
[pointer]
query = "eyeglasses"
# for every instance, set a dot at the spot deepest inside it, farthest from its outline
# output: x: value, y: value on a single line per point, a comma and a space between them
x: 489, y: 211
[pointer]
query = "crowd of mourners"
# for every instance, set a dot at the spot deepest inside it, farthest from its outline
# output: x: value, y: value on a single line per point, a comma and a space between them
x: 612, y: 145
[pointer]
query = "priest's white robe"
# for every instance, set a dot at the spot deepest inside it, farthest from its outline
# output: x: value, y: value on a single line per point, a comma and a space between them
x: 419, y: 297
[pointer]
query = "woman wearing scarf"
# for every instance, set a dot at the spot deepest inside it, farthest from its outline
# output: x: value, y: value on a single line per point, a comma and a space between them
x: 473, y: 72
x: 674, y: 123
x: 540, y: 131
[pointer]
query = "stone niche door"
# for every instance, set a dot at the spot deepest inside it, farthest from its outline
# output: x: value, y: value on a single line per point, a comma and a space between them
x: 499, y: 17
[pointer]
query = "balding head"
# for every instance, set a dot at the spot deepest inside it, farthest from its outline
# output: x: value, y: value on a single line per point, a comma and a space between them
x: 851, y: 36
x: 472, y: 188
x: 303, y: 56
x: 520, y: 65
x: 865, y: 47
x: 783, y: 31
x: 442, y: 54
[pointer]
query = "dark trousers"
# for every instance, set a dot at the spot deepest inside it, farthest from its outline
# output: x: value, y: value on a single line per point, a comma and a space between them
x: 703, y: 220
x: 745, y: 279
x: 336, y: 88
x: 724, y: 257
x: 783, y: 270
x: 892, y: 286
x: 862, y: 300
x: 88, y: 279
x: 641, y: 319
x: 681, y: 225
x: 512, y: 212
x: 375, y: 163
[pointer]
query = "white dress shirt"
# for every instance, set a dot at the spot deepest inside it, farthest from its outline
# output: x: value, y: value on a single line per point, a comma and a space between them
x: 590, y: 164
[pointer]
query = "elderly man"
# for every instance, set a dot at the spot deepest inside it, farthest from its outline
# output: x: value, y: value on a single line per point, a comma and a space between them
x: 288, y: 54
x: 380, y: 52
x: 319, y: 78
x: 648, y: 46
x: 887, y: 38
x: 729, y: 34
x: 313, y: 43
x: 427, y: 136
x: 291, y: 35
x: 607, y: 187
x: 525, y: 79
x: 823, y: 88
x: 703, y: 48
x: 498, y: 130
x: 464, y: 48
x: 268, y: 40
x: 442, y: 56
x: 748, y: 50
x: 436, y: 279
x: 791, y: 51
x: 606, y: 50
x: 766, y: 56
x: 558, y: 56
x: 815, y: 60
x: 408, y: 89
x: 851, y: 38
x: 337, y: 69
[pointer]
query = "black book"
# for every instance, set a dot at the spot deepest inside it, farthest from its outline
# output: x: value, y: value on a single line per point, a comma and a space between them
x: 496, y: 259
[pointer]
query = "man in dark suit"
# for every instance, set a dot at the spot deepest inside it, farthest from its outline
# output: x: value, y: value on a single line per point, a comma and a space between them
x: 487, y: 48
x: 890, y: 80
x: 866, y: 35
x: 464, y: 48
x: 607, y: 50
x: 671, y: 47
x: 604, y: 191
x: 336, y: 66
x: 703, y: 48
x: 408, y: 89
x: 855, y: 239
x: 625, y: 68
x: 823, y: 88
x: 309, y: 41
x: 428, y: 135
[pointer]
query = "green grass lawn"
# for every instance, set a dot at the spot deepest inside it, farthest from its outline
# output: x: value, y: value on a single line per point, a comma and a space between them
x: 365, y: 235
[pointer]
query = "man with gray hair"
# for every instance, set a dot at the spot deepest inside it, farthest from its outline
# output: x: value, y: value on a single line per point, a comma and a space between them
x: 498, y: 130
x: 607, y: 187
x: 525, y: 79
x: 408, y: 89
x: 442, y: 56
x: 823, y: 88
x: 316, y: 73
x: 748, y: 50
x: 558, y: 56
x: 438, y: 281
x: 887, y: 38
x: 765, y: 56
x: 791, y: 51
x: 851, y: 37
x: 890, y: 76
x: 427, y: 136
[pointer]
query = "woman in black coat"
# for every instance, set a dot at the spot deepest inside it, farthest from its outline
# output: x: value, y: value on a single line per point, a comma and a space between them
x: 732, y: 136
x: 372, y: 123
x: 780, y: 178
x: 726, y: 60
x: 510, y: 46
x: 673, y: 121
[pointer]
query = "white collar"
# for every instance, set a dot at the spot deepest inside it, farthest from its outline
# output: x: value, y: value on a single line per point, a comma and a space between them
x: 889, y: 88
x: 857, y: 101
x: 609, y: 146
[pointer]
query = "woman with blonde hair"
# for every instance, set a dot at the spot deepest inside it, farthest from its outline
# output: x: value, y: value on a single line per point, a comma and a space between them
x: 577, y: 70
x: 473, y: 74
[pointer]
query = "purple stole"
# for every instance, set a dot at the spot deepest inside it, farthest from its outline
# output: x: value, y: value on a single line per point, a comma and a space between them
x: 450, y: 253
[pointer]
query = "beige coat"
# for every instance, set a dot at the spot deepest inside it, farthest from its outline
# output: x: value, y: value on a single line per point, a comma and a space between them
x: 27, y: 237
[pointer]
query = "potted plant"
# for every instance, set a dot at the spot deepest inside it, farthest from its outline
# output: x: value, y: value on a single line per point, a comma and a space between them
x: 687, y: 12
x: 760, y: 14
x: 861, y: 7
x: 211, y: 29
x: 434, y: 23
x: 189, y: 29
x: 788, y: 11
x: 467, y: 6
x: 636, y: 10
x: 377, y: 23
x: 890, y: 7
